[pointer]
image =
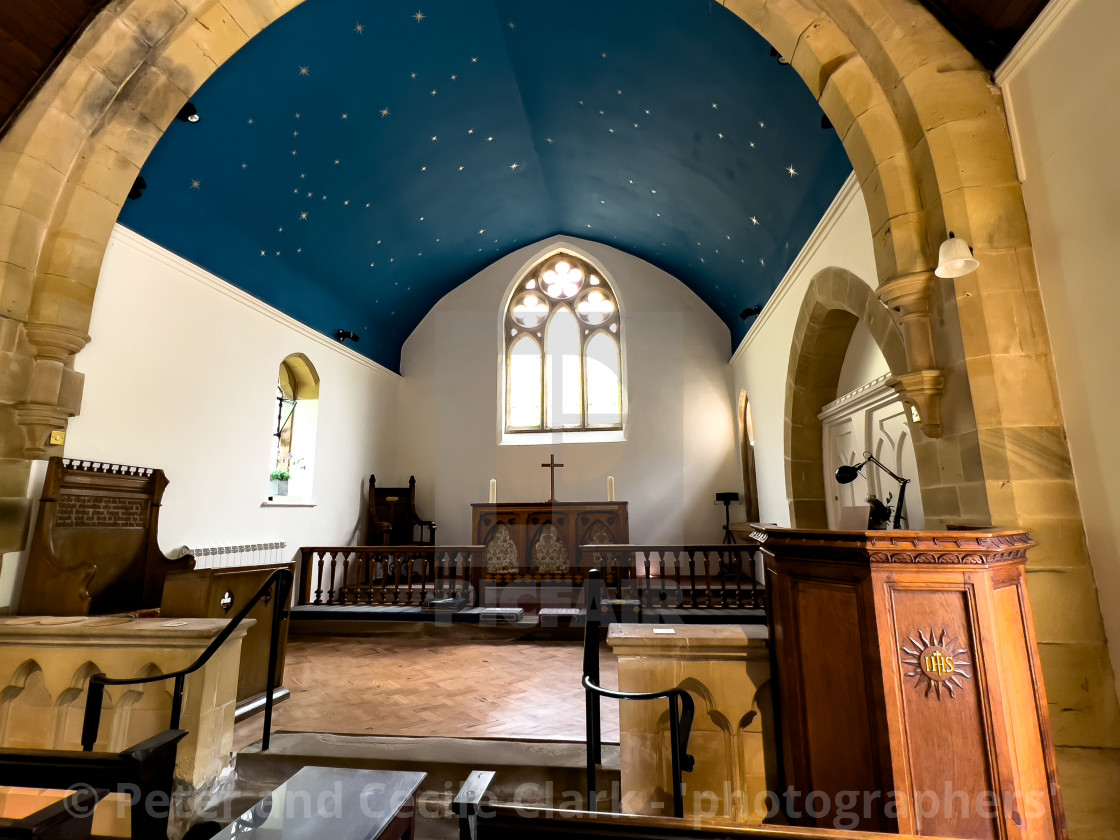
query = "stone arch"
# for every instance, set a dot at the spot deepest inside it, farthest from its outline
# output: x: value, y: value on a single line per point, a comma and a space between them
x: 920, y: 120
x: 833, y: 303
x: 76, y: 149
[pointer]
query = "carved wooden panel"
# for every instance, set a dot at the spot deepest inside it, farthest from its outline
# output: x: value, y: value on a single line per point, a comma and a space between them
x: 544, y: 538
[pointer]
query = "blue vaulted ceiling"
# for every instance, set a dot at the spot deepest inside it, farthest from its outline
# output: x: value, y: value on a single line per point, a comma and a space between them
x: 356, y: 160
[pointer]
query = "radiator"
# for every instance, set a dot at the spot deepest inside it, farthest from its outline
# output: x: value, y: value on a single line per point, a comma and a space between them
x: 234, y: 556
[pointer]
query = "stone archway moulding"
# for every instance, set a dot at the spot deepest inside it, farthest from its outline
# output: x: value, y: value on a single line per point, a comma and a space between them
x: 834, y: 302
x: 925, y: 131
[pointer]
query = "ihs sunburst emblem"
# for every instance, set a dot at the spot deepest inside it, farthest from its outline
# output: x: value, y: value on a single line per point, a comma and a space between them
x: 937, y: 662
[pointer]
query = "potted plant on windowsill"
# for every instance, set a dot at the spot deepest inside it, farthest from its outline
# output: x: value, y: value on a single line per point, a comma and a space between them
x: 279, y: 482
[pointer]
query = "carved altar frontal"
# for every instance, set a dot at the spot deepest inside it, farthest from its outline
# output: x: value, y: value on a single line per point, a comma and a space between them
x: 534, y: 548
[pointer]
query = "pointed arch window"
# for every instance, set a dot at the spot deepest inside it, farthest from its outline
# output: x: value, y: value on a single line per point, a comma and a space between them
x: 563, y: 351
x: 295, y: 415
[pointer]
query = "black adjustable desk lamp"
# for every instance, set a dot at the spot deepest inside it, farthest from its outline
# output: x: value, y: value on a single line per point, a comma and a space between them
x: 847, y: 474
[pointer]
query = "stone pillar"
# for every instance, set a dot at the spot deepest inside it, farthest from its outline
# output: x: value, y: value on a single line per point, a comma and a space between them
x: 922, y: 386
x: 726, y: 668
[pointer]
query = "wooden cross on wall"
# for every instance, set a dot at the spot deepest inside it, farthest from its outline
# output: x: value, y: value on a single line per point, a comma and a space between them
x: 552, y: 466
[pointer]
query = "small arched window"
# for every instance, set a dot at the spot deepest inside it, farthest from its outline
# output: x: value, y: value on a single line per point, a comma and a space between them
x: 293, y: 437
x: 563, y: 350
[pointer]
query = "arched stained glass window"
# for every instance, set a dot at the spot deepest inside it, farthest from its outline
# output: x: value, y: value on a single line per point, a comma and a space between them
x: 563, y: 350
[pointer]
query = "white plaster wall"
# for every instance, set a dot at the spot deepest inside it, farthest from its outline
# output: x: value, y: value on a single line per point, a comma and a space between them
x: 181, y: 374
x: 679, y: 448
x: 1062, y: 90
x: 761, y: 363
x: 863, y: 363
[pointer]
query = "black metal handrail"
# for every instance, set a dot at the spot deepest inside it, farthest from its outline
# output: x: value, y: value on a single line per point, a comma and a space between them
x: 281, y: 581
x: 680, y: 720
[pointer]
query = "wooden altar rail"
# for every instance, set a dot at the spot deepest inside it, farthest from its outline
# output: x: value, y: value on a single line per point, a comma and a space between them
x: 388, y: 575
x: 688, y: 576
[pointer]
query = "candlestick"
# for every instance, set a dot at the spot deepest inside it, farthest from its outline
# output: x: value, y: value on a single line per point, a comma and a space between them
x: 493, y: 490
x: 610, y: 488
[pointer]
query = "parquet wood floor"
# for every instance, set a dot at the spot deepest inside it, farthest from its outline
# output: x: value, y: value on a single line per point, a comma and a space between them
x: 385, y: 685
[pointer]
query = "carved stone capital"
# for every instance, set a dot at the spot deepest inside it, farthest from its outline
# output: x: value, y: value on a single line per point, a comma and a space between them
x: 55, y: 342
x: 38, y: 421
x: 921, y: 391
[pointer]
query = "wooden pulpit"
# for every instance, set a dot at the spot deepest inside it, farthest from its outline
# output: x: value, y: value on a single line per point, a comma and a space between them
x: 908, y: 679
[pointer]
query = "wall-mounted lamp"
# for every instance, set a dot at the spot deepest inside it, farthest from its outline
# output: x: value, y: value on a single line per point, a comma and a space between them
x: 955, y: 259
x: 847, y: 474
x: 188, y: 113
x: 343, y: 335
x: 138, y: 187
x: 750, y: 311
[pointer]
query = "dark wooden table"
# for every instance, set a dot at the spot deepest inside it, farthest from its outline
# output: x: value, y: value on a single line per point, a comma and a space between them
x: 339, y: 803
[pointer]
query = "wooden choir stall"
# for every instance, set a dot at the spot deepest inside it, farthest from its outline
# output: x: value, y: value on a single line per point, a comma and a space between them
x: 95, y: 551
x: 908, y: 676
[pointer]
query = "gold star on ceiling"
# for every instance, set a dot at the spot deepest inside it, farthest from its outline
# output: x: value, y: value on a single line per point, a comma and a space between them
x: 359, y: 28
x: 304, y: 71
x: 303, y: 216
x: 419, y: 16
x: 514, y: 165
x: 196, y: 185
x: 791, y: 170
x: 384, y: 112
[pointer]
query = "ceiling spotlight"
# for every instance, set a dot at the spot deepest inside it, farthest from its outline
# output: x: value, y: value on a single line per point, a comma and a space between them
x: 781, y: 58
x: 343, y: 335
x: 138, y: 186
x: 750, y: 311
x: 188, y: 113
x: 954, y: 258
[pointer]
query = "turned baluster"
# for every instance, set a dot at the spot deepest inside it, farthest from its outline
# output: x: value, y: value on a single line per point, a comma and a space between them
x: 332, y: 577
x: 321, y: 565
x: 677, y: 573
x: 738, y: 555
x: 691, y: 579
x: 707, y: 579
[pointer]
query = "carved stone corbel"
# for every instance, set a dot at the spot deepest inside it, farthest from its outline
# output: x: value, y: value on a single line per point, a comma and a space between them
x: 922, y: 386
x: 54, y: 391
x: 921, y: 393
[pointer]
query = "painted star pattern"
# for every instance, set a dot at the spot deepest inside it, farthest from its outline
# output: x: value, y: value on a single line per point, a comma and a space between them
x: 370, y: 148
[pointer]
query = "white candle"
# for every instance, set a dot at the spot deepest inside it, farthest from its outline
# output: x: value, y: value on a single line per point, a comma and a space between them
x: 493, y: 490
x: 610, y: 488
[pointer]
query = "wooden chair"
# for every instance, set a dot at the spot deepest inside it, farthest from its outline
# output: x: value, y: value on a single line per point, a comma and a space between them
x: 392, y: 518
